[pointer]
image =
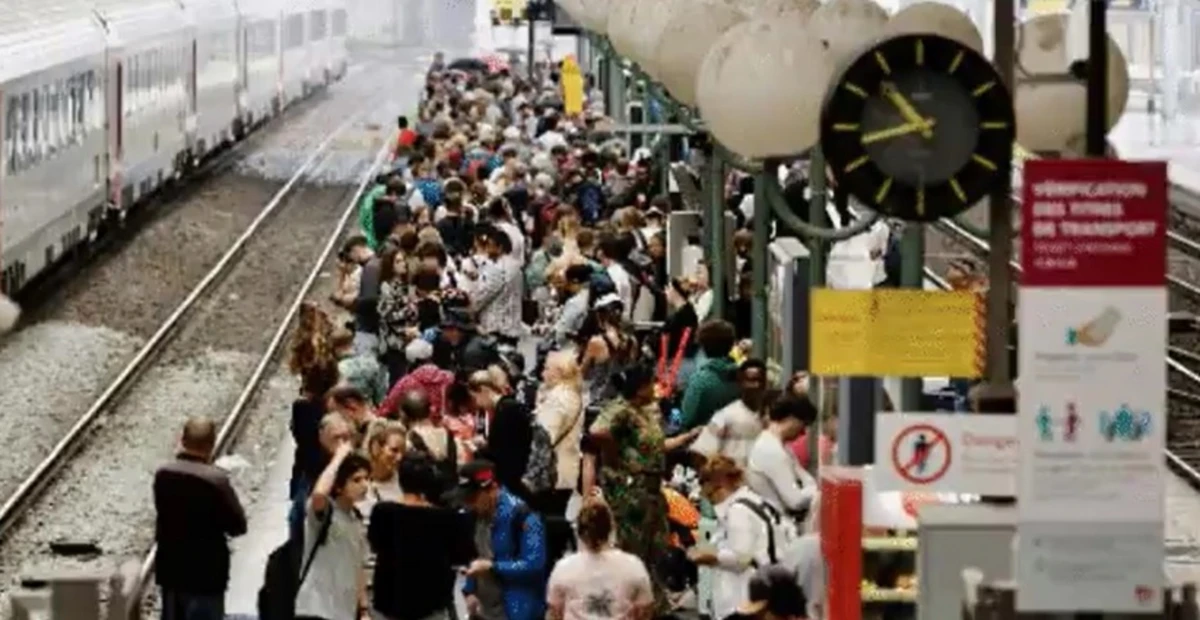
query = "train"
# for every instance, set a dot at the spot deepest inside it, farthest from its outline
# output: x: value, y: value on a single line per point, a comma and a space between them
x: 106, y: 101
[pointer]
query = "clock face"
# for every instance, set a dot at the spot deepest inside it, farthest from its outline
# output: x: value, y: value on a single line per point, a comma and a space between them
x: 919, y: 127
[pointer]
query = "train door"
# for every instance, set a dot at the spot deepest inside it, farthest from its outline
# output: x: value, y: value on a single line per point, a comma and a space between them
x: 116, y: 126
x: 5, y: 154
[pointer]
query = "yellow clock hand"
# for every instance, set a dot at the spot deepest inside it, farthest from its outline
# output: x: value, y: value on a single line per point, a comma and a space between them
x: 897, y: 131
x: 907, y: 111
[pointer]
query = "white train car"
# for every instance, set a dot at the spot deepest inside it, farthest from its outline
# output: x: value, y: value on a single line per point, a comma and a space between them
x: 52, y: 167
x: 338, y: 24
x: 316, y: 43
x: 215, y: 74
x: 261, y: 60
x: 294, y: 74
x: 149, y: 52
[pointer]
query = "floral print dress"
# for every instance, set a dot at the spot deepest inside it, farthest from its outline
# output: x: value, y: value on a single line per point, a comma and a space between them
x: 633, y: 485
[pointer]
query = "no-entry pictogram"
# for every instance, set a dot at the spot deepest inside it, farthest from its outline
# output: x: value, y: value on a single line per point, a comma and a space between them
x: 921, y: 454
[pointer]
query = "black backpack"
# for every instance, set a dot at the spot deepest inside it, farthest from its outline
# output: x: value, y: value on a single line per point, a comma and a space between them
x: 286, y: 569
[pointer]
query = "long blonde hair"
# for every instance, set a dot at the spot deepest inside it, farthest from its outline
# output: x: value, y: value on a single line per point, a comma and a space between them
x: 567, y: 368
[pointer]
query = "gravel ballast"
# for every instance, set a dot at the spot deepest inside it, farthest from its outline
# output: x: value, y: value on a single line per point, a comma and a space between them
x: 103, y: 496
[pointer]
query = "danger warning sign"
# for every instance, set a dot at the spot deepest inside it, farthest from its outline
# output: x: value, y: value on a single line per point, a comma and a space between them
x: 942, y: 452
x: 922, y: 454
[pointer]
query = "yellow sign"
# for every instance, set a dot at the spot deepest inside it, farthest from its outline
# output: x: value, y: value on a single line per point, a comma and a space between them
x: 894, y: 332
x: 572, y: 86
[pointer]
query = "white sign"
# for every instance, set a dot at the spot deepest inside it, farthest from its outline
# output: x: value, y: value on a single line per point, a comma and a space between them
x: 1093, y: 404
x: 1101, y: 566
x: 1092, y: 429
x: 946, y: 453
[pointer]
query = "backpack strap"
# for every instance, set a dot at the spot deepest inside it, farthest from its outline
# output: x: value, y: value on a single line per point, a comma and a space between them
x: 770, y: 518
x: 322, y: 536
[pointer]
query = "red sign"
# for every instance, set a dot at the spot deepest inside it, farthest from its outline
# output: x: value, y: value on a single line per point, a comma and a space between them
x: 921, y: 454
x: 1094, y: 222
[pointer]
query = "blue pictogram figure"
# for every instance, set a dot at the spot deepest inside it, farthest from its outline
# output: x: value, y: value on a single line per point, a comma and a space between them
x: 1124, y: 423
x: 1045, y: 424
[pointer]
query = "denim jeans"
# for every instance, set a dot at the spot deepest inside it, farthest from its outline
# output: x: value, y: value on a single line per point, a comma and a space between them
x: 182, y: 606
x: 300, y: 490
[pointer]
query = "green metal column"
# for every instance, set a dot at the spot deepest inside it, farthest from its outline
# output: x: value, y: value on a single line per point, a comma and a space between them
x: 912, y: 264
x: 714, y: 225
x: 758, y: 263
x: 817, y: 216
x: 616, y: 93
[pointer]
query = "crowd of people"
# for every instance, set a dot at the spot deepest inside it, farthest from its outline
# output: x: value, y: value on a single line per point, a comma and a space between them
x: 508, y: 398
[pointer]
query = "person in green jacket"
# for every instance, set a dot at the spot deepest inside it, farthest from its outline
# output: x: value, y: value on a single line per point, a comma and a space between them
x: 714, y: 384
x: 366, y: 211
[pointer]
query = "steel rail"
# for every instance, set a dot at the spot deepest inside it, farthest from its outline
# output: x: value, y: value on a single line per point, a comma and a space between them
x: 23, y: 498
x: 240, y: 410
x: 1189, y: 473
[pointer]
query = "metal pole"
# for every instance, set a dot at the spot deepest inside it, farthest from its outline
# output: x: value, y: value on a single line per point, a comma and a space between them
x: 758, y: 264
x: 616, y: 87
x: 714, y: 223
x: 817, y: 216
x: 912, y: 266
x: 532, y: 42
x: 999, y: 297
x: 1097, y: 78
x: 1171, y: 23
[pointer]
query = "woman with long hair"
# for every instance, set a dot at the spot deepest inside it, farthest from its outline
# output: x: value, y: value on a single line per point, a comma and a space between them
x: 312, y: 348
x: 395, y: 324
x: 605, y: 346
x: 599, y: 580
x: 559, y: 409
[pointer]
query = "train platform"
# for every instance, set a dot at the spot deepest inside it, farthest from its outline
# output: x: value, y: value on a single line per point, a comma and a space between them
x: 1142, y: 135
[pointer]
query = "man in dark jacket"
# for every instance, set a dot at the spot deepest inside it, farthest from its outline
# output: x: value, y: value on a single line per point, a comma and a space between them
x: 460, y: 346
x: 196, y: 512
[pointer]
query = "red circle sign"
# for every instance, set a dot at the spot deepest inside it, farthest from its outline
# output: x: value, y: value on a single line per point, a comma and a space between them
x: 912, y: 462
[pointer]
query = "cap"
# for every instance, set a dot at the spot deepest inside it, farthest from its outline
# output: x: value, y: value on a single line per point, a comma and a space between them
x: 473, y: 477
x: 418, y: 351
x: 777, y: 590
x: 457, y: 320
x: 611, y: 299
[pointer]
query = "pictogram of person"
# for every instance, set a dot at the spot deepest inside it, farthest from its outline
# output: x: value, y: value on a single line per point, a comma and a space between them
x: 1073, y: 421
x: 921, y: 453
x: 1045, y: 424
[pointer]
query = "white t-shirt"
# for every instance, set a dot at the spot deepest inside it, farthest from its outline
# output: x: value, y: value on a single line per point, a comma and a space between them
x: 624, y: 286
x: 551, y: 139
x: 599, y: 586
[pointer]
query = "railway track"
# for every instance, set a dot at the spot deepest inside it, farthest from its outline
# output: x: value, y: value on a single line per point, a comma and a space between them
x: 1183, y: 354
x: 185, y: 338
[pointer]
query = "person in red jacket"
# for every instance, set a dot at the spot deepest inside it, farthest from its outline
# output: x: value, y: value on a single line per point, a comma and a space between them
x: 424, y: 376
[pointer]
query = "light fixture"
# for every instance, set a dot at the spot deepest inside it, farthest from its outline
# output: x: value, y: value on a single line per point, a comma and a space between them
x: 935, y: 18
x: 761, y: 85
x: 844, y: 27
x: 690, y: 30
x: 1051, y: 106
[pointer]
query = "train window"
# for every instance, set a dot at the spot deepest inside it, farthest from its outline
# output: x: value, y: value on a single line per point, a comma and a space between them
x: 340, y: 23
x: 35, y: 121
x: 293, y: 36
x: 26, y: 130
x: 12, y: 121
x: 55, y: 118
x: 317, y: 25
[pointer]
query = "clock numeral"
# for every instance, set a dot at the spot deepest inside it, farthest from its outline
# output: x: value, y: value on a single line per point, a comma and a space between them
x: 845, y: 126
x: 983, y: 88
x: 993, y: 125
x: 883, y: 190
x: 958, y: 190
x: 856, y: 89
x: 883, y: 63
x: 958, y: 58
x: 921, y: 200
x: 983, y: 161
x: 856, y: 164
x: 920, y: 52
